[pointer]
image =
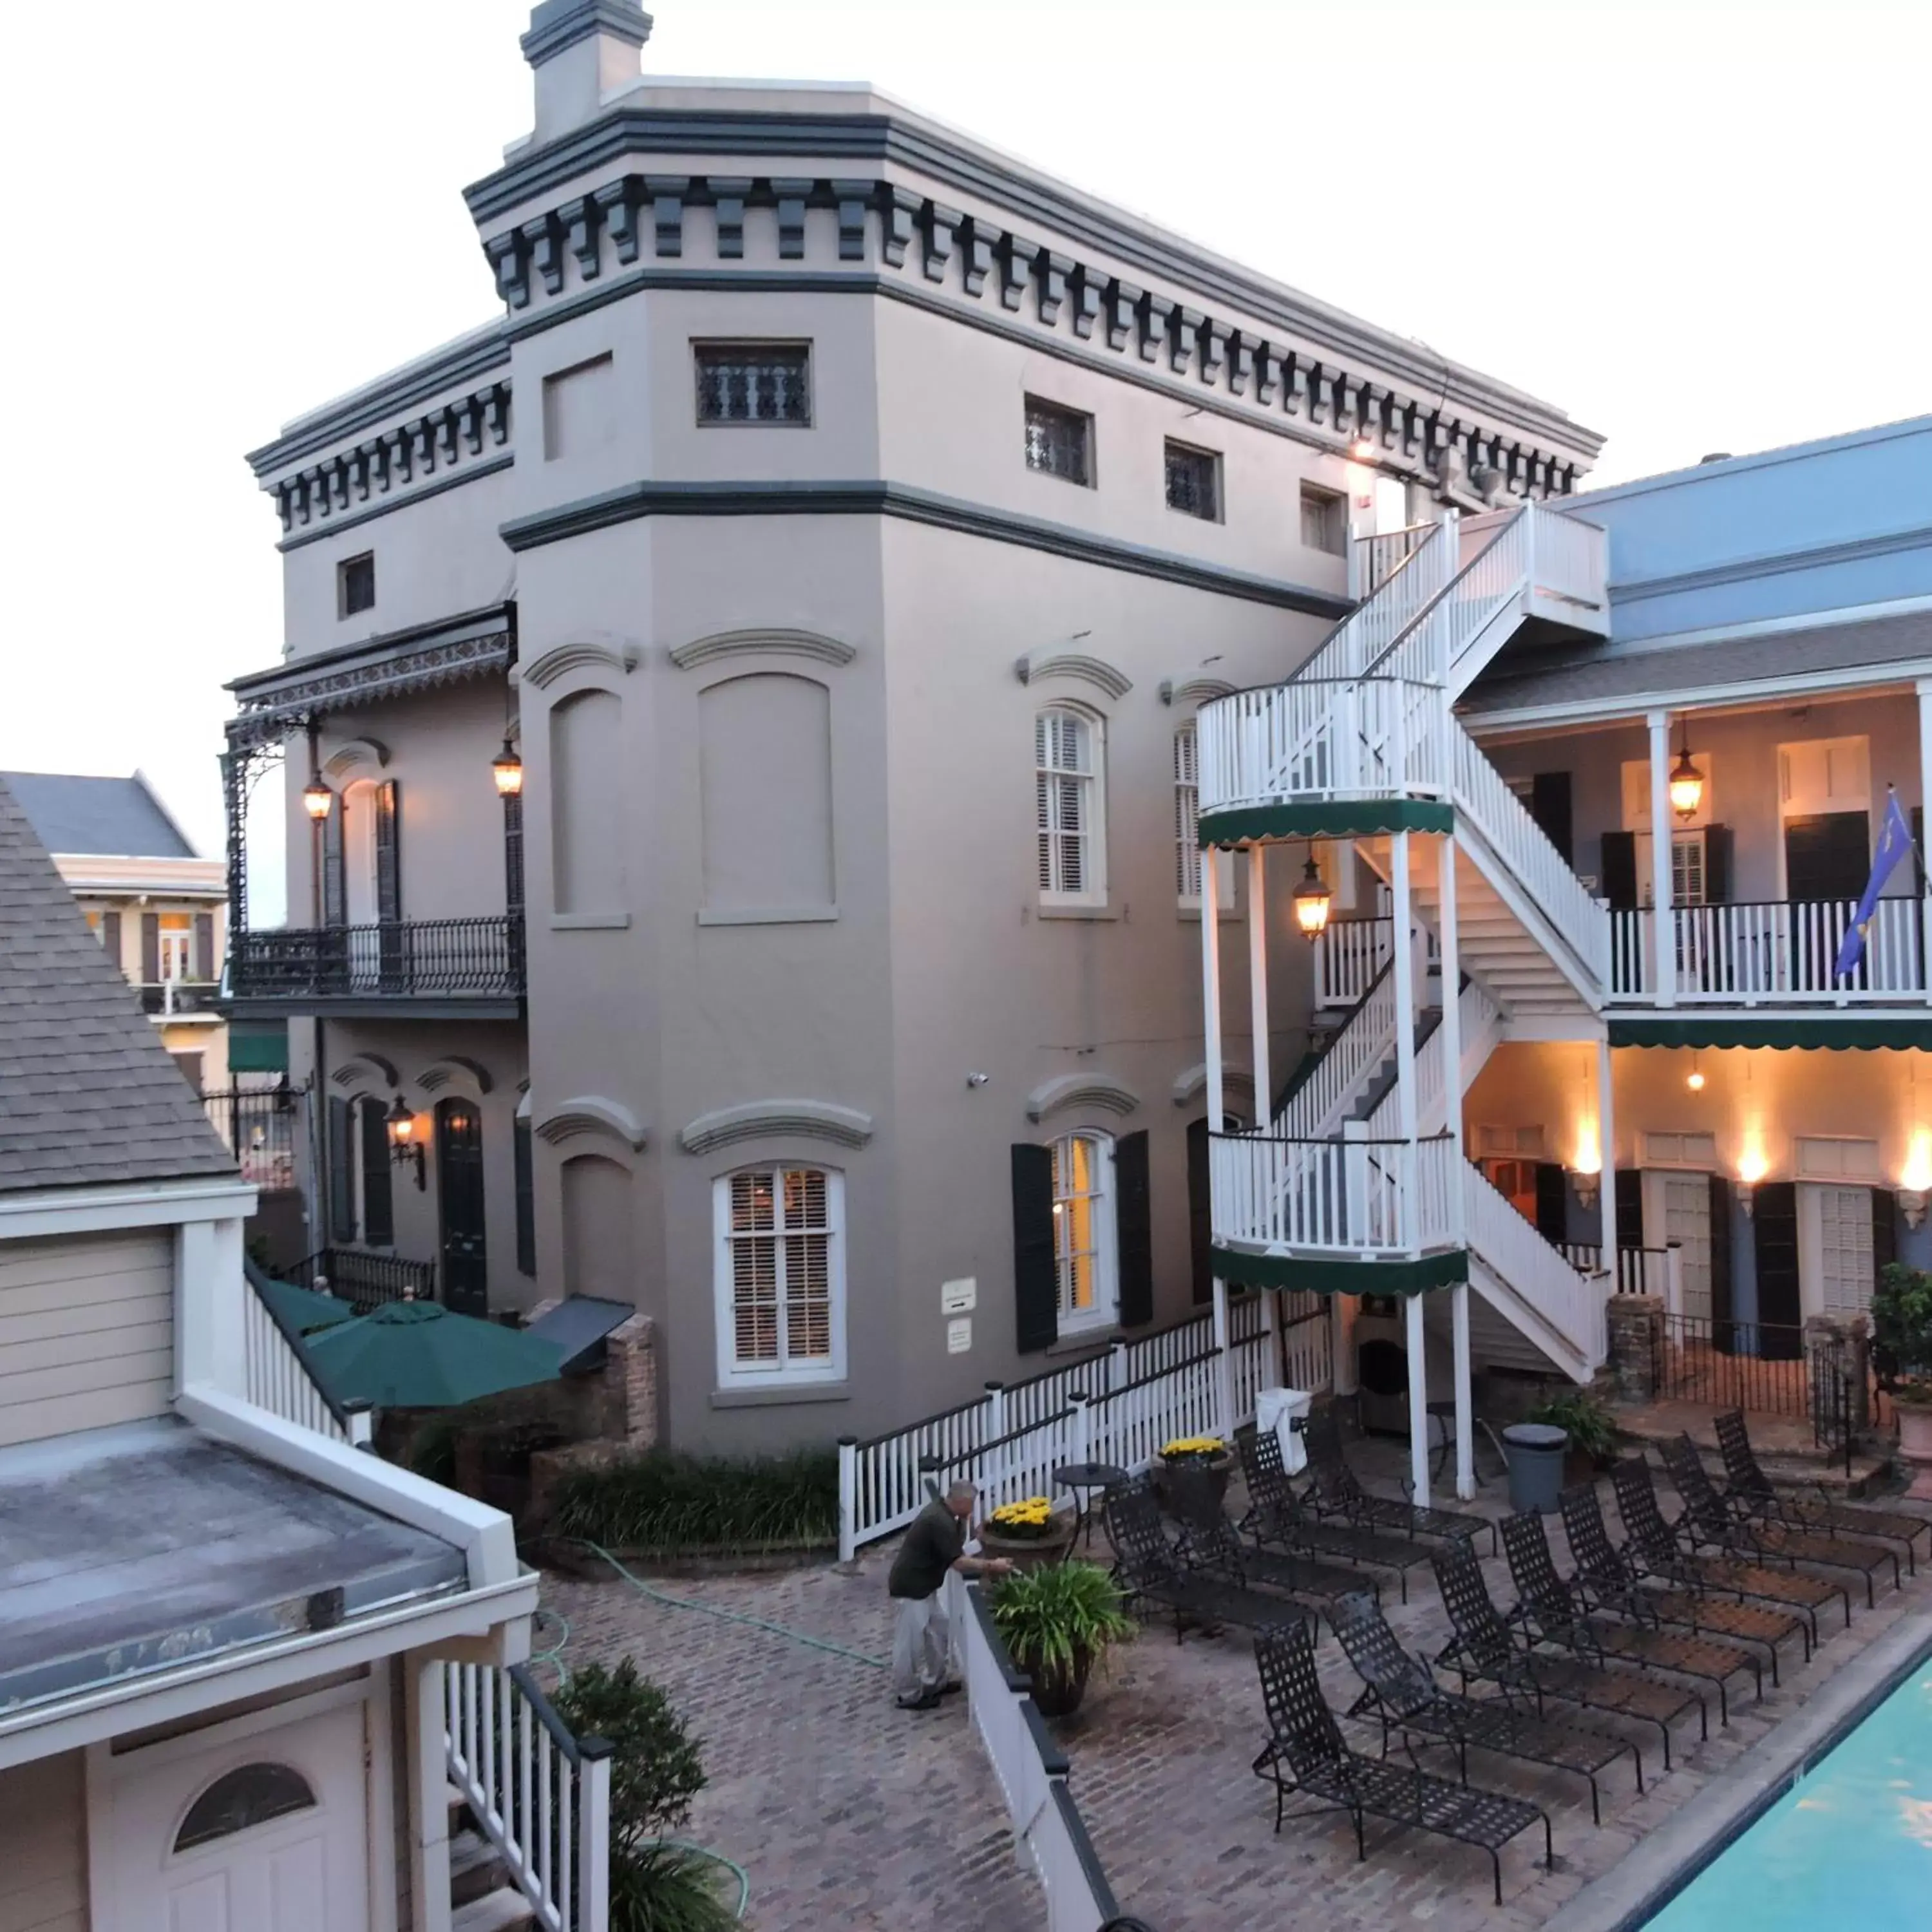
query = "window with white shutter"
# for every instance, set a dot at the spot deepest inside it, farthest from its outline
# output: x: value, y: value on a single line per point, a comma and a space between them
x: 1069, y: 808
x: 780, y: 1276
x: 1187, y: 814
x: 1084, y: 1231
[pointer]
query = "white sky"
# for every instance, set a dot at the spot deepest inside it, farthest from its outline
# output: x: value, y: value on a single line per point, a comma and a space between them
x: 1698, y: 227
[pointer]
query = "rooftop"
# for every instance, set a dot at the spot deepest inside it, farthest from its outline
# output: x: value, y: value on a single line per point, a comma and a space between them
x: 117, y: 817
x: 134, y: 1549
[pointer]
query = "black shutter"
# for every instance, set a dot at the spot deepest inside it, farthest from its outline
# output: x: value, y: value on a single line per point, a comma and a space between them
x: 1619, y: 883
x: 1774, y: 1234
x: 1133, y: 1221
x: 1717, y: 868
x: 1550, y: 806
x: 1884, y: 1231
x: 1552, y: 1201
x: 335, y: 874
x: 1629, y: 1183
x: 1036, y: 1273
x: 1200, y: 1213
x: 203, y: 962
x: 513, y: 855
x: 110, y: 938
x: 151, y: 949
x: 378, y: 1220
x: 1828, y: 856
x: 389, y: 864
x: 523, y: 1159
x: 341, y: 1172
x: 1723, y: 1337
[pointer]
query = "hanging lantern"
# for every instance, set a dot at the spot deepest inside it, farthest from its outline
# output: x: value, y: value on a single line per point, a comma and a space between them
x: 317, y: 800
x: 1686, y: 782
x: 507, y: 768
x: 1311, y: 902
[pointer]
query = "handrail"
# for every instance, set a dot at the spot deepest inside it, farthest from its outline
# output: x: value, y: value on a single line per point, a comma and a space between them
x: 1364, y: 613
x: 1533, y: 1269
x: 297, y: 1347
x: 1248, y: 1136
x: 1429, y: 609
x: 560, y: 1733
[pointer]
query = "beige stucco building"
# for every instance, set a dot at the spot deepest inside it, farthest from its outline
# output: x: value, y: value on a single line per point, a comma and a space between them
x: 840, y: 526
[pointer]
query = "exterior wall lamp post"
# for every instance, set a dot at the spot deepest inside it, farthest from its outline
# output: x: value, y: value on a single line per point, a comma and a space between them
x: 404, y: 1148
x: 507, y: 768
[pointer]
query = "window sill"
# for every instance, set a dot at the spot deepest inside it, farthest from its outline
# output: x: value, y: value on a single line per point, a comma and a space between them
x: 1088, y: 912
x: 751, y: 422
x: 769, y: 915
x: 774, y: 1395
x: 1191, y: 912
x: 1085, y: 1341
x: 588, y: 922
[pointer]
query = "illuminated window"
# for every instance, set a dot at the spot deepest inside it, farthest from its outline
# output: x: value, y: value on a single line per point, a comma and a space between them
x: 1083, y: 1230
x: 781, y: 1276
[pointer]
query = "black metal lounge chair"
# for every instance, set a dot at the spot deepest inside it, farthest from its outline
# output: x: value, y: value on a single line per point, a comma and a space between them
x: 1306, y: 1756
x: 1712, y: 1520
x: 1560, y: 1616
x: 1657, y: 1545
x: 1154, y: 1579
x: 1334, y: 1491
x: 1753, y: 1494
x: 1276, y: 1515
x: 1619, y: 1580
x: 1208, y: 1544
x: 1486, y: 1650
x: 1400, y: 1692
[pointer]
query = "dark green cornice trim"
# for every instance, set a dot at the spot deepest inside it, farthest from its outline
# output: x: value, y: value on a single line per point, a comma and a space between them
x: 1337, y: 1277
x: 632, y: 501
x: 1868, y: 1032
x: 1326, y: 818
x: 455, y: 480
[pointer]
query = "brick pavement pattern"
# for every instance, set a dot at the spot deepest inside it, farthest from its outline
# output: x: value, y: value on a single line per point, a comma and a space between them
x: 847, y: 1813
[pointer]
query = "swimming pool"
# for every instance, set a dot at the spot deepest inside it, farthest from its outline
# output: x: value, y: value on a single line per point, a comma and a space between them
x: 1851, y: 1837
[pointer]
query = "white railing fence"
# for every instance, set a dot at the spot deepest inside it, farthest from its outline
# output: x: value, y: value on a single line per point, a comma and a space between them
x: 1318, y: 1106
x: 1538, y: 1273
x: 1640, y: 1271
x: 1771, y: 949
x: 1370, y: 1199
x: 1571, y: 560
x: 1368, y: 630
x: 1049, y: 1837
x: 281, y: 1378
x: 541, y: 1796
x: 1347, y: 956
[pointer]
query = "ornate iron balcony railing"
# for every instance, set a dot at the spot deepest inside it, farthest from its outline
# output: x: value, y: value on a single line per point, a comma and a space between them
x: 402, y: 959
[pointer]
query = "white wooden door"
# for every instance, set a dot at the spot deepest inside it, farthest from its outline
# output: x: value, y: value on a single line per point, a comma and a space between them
x: 1687, y: 1219
x: 1844, y: 1250
x: 267, y: 1833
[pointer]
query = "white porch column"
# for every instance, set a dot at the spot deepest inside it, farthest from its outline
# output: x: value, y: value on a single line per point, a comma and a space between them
x: 1257, y: 997
x: 1925, y: 800
x: 1404, y: 962
x: 1448, y: 933
x: 1418, y: 1401
x: 1606, y: 1139
x: 1211, y: 984
x: 429, y: 1779
x: 1224, y: 1366
x: 1663, y: 924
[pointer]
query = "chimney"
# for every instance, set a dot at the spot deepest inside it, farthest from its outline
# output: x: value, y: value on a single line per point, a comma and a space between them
x: 580, y: 51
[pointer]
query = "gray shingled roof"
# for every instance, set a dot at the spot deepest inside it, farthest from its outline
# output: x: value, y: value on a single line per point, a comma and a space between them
x: 1516, y: 683
x: 116, y: 817
x: 88, y: 1094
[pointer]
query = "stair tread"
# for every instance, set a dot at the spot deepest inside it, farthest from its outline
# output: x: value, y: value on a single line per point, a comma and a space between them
x: 505, y: 1910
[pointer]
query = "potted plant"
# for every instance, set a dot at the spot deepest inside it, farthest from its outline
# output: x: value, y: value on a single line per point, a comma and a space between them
x: 1205, y: 1459
x: 1592, y: 1429
x: 1028, y: 1533
x: 1901, y: 1318
x: 1058, y: 1621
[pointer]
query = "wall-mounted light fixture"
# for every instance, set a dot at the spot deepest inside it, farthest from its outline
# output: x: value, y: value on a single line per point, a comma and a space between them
x: 1915, y: 1182
x: 1311, y: 901
x: 1752, y: 1168
x: 404, y: 1148
x: 1686, y: 781
x: 318, y: 801
x: 1362, y: 449
x: 1588, y: 1186
x: 1694, y: 1080
x: 1912, y: 1205
x: 507, y: 768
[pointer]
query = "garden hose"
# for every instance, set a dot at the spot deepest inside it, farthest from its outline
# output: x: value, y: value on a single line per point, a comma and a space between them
x: 553, y: 1654
x: 736, y: 1870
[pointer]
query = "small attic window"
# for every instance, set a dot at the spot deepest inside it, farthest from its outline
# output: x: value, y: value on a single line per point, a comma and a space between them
x: 355, y: 584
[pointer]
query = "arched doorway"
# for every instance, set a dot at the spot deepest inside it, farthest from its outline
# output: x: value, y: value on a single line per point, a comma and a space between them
x: 459, y: 1180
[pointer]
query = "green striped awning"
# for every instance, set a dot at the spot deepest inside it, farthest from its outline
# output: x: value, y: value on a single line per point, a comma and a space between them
x: 1326, y: 818
x: 258, y: 1046
x: 1899, y: 1032
x: 1343, y: 1277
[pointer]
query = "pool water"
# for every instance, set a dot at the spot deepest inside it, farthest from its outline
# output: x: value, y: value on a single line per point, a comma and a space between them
x: 1850, y: 1844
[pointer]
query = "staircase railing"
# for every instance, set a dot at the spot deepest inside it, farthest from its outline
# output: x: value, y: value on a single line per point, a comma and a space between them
x: 1317, y: 1106
x: 1513, y: 1251
x: 1371, y: 1199
x: 1348, y: 955
x: 280, y: 1373
x: 1367, y: 631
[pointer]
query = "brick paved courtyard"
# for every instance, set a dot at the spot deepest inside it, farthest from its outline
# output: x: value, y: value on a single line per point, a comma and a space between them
x: 847, y: 1813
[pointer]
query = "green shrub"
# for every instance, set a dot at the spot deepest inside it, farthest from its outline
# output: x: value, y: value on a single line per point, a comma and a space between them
x: 670, y: 1503
x: 1047, y: 1614
x: 1593, y: 1429
x: 666, y: 1889
x: 1901, y: 1319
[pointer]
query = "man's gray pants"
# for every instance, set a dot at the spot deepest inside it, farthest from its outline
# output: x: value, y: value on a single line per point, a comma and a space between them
x: 920, y: 1647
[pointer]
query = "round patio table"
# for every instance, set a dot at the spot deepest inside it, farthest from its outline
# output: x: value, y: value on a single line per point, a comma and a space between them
x: 1083, y: 1479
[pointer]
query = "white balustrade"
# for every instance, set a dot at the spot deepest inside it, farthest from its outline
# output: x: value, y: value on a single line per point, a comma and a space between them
x: 1369, y: 1199
x: 1571, y: 559
x: 1348, y: 955
x: 1775, y: 950
x: 1317, y: 1107
x: 280, y: 1380
x: 1538, y: 1273
x: 1367, y: 631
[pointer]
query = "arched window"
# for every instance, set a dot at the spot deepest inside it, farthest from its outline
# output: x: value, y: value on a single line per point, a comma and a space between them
x: 1084, y: 1231
x: 780, y: 1285
x: 587, y: 841
x: 1070, y: 806
x: 254, y: 1794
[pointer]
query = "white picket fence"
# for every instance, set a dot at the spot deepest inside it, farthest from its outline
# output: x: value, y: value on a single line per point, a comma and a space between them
x: 281, y: 1378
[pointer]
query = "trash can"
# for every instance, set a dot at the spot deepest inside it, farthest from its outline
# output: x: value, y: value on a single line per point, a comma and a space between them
x: 1535, y: 1451
x: 1279, y: 1412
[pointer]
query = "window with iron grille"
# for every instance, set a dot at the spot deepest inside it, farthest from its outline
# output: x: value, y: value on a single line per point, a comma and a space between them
x: 1083, y: 1231
x: 1059, y: 442
x: 755, y: 382
x: 1194, y: 482
x: 1325, y: 520
x: 513, y: 854
x: 1069, y: 806
x: 355, y: 584
x: 781, y: 1276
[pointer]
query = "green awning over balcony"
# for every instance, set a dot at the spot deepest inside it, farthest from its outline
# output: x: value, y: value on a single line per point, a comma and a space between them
x: 1901, y: 1032
x: 1327, y: 818
x: 258, y: 1046
x: 1343, y: 1277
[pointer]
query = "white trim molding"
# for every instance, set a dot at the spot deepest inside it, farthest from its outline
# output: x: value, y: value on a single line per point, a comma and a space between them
x: 1191, y: 688
x: 457, y: 1067
x: 1081, y: 1090
x: 1189, y: 1085
x: 561, y: 659
x: 770, y: 642
x: 35, y: 1212
x: 591, y: 1113
x: 353, y: 1070
x: 773, y: 1120
x: 1096, y: 671
x: 346, y: 758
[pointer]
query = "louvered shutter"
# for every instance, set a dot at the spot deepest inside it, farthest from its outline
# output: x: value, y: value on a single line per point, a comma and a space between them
x: 1629, y: 1183
x: 110, y: 938
x: 513, y: 855
x: 202, y: 965
x: 1036, y: 1289
x: 335, y: 875
x: 388, y: 858
x: 523, y: 1156
x: 1552, y: 1201
x: 1724, y: 1336
x: 151, y: 949
x: 1187, y: 811
x: 1550, y: 806
x: 1717, y: 850
x: 1134, y: 1229
x: 341, y: 1172
x: 1775, y: 1235
x: 1885, y: 1231
x: 379, y: 1226
x: 1618, y: 866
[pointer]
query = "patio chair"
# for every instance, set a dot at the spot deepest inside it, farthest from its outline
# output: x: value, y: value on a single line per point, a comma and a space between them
x: 1154, y: 1578
x: 1306, y: 1756
x: 1560, y: 1616
x: 1209, y: 1544
x: 1400, y: 1692
x: 1656, y: 1545
x: 1620, y: 1580
x: 1711, y: 1520
x: 1334, y: 1491
x: 1486, y: 1650
x: 1753, y: 1494
x: 1275, y: 1515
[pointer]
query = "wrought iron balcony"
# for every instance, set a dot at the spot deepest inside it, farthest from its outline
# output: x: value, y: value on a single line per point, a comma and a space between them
x: 168, y: 997
x: 364, y: 1280
x: 466, y: 965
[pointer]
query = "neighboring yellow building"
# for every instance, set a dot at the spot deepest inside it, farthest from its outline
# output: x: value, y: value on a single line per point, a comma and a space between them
x: 158, y: 907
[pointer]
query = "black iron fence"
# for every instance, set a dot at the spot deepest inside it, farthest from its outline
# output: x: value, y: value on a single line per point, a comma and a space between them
x: 366, y: 1279
x: 167, y: 997
x: 400, y: 959
x: 263, y: 1127
x: 1750, y: 1365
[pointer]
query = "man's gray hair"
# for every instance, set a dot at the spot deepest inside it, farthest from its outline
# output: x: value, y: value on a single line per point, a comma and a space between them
x: 959, y: 1487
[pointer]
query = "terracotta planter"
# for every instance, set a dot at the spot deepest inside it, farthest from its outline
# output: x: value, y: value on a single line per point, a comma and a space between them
x: 1203, y: 1479
x: 1030, y: 1552
x: 1056, y: 1693
x: 1915, y: 1432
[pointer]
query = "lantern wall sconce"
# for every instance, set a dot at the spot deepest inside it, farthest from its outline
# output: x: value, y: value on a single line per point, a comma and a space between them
x: 1912, y: 1205
x: 1311, y: 901
x: 318, y: 801
x: 1587, y: 1186
x: 404, y: 1148
x: 506, y: 768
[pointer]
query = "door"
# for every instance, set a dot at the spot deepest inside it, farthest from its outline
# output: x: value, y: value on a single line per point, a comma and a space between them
x: 267, y: 1832
x: 1842, y: 1279
x: 1686, y: 1219
x: 459, y: 1180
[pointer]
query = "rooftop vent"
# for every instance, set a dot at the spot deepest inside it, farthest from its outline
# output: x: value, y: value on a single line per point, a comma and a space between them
x: 1716, y: 456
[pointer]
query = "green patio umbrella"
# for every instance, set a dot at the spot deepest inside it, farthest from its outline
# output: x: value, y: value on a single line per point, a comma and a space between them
x: 417, y: 1354
x: 302, y: 1308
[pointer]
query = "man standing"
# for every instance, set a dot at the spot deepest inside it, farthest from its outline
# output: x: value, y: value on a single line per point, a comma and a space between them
x: 934, y: 1545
